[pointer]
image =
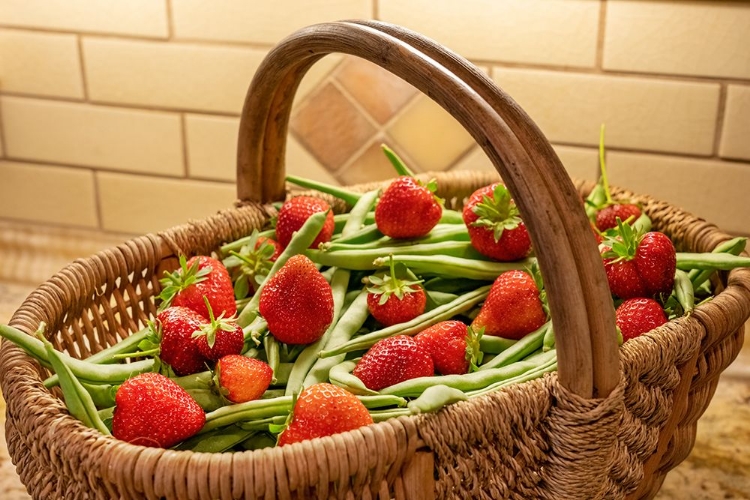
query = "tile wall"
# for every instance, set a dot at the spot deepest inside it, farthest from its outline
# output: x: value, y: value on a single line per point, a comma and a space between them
x: 122, y: 116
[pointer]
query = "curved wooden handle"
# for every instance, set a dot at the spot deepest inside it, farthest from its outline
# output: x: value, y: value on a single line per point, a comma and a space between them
x: 579, y: 298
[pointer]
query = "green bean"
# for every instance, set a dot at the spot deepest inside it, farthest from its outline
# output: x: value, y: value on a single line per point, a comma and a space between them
x: 362, y: 236
x: 440, y: 233
x: 489, y: 344
x: 534, y: 373
x: 202, y: 389
x: 271, y: 346
x: 437, y: 299
x: 359, y: 212
x: 273, y: 394
x: 339, y: 221
x: 383, y: 415
x: 236, y: 245
x: 341, y: 375
x: 349, y: 324
x: 328, y: 274
x: 264, y: 424
x: 642, y: 224
x: 282, y: 373
x: 467, y: 382
x: 435, y: 398
x: 260, y: 408
x: 362, y: 260
x: 549, y: 340
x: 349, y: 197
x: 301, y: 240
x: 683, y: 291
x: 77, y: 399
x: 398, y: 163
x: 309, y: 356
x: 216, y: 441
x: 381, y: 401
x: 259, y: 441
x: 734, y: 246
x: 103, y: 396
x: 451, y: 217
x: 710, y: 261
x: 453, y: 285
x: 520, y: 349
x: 448, y: 266
x: 444, y: 312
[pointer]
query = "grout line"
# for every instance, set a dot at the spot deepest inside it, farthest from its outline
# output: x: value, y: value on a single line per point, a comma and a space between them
x: 600, y: 35
x: 354, y: 102
x: 170, y: 21
x: 110, y: 104
x: 359, y: 152
x: 375, y: 10
x: 720, y: 114
x: 40, y: 225
x: 183, y: 137
x: 81, y: 61
x: 60, y: 31
x: 97, y: 200
x: 404, y: 109
x: 327, y: 77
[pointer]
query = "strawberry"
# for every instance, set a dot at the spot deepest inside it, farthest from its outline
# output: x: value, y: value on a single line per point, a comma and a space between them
x: 393, y: 360
x: 241, y: 378
x: 607, y: 216
x: 178, y: 350
x: 494, y: 224
x: 152, y: 410
x: 297, y: 302
x: 639, y: 265
x: 638, y: 316
x: 513, y: 307
x: 393, y: 300
x: 408, y: 209
x: 453, y: 346
x: 199, y: 277
x: 323, y: 410
x: 295, y: 212
x: 250, y: 266
x: 219, y: 338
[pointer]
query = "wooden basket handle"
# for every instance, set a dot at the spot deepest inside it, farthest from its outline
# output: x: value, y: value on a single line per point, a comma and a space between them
x: 576, y: 284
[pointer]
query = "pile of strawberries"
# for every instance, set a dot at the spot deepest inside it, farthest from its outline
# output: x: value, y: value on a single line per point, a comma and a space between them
x: 228, y: 327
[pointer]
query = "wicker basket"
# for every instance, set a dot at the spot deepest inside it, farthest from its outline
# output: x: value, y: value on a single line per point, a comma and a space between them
x: 598, y: 428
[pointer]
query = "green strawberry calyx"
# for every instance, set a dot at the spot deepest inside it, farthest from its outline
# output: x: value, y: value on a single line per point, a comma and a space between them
x: 250, y: 266
x: 622, y: 243
x: 210, y: 329
x: 391, y: 284
x: 497, y: 213
x: 474, y: 354
x: 181, y: 279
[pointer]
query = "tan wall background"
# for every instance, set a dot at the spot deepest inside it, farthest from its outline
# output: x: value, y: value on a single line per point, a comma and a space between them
x: 122, y: 116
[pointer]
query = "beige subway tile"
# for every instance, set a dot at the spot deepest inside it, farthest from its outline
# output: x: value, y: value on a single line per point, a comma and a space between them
x: 141, y: 204
x: 212, y: 146
x: 331, y: 127
x: 173, y: 75
x: 40, y: 63
x: 640, y: 113
x: 300, y: 162
x: 371, y: 165
x: 46, y: 193
x: 580, y: 163
x: 682, y: 37
x: 527, y: 31
x: 430, y: 135
x: 714, y: 190
x: 380, y: 92
x: 134, y: 17
x: 735, y: 136
x: 259, y: 22
x: 96, y: 136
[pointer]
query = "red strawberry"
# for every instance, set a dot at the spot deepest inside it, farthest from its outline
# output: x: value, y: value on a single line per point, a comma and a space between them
x: 199, y: 277
x: 297, y: 302
x: 392, y: 300
x: 178, y: 350
x: 407, y: 209
x: 637, y: 316
x: 495, y: 227
x: 295, y: 212
x: 453, y: 346
x: 323, y: 410
x: 242, y: 379
x: 513, y: 308
x: 639, y: 265
x: 219, y: 338
x: 606, y: 218
x: 393, y: 360
x: 152, y: 410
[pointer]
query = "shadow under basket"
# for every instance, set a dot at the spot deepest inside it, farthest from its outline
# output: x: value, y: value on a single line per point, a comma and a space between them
x: 609, y: 424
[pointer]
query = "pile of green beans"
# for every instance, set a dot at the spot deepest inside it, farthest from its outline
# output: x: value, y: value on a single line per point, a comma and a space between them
x: 456, y: 278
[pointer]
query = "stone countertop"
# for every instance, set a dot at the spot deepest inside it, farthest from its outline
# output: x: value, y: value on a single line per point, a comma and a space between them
x: 718, y: 467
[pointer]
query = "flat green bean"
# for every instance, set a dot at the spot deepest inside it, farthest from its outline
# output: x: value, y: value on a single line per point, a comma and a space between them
x: 258, y: 409
x: 534, y: 373
x: 710, y: 261
x: 435, y: 398
x: 217, y: 440
x: 734, y: 246
x: 683, y: 291
x: 236, y: 245
x: 381, y: 401
x: 489, y: 344
x: 519, y: 350
x: 373, y: 258
x: 449, y: 266
x: 341, y: 375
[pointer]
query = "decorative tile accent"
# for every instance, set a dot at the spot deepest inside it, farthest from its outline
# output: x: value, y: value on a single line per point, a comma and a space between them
x: 40, y: 63
x: 301, y: 163
x: 683, y: 37
x: 430, y: 135
x: 331, y: 127
x: 380, y: 92
x: 57, y: 195
x: 372, y: 165
x: 97, y: 136
x: 735, y: 136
